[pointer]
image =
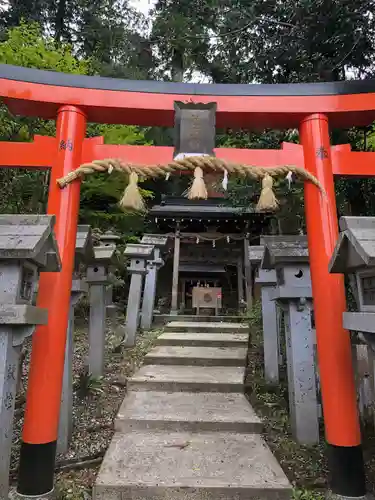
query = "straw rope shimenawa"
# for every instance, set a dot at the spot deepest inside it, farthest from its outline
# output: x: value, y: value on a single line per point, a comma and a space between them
x: 132, y: 198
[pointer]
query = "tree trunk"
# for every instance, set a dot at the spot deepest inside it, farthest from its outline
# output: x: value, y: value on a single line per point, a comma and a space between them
x: 60, y: 20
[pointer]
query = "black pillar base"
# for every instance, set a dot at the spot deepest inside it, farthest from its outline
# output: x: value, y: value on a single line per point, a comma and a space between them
x: 347, y: 470
x: 36, y: 470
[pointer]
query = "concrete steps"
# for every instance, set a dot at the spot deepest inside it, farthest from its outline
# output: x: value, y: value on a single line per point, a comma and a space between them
x: 185, y: 430
x: 184, y: 466
x: 191, y: 327
x: 203, y: 339
x: 196, y: 356
x: 163, y: 319
x: 185, y: 411
x: 186, y: 378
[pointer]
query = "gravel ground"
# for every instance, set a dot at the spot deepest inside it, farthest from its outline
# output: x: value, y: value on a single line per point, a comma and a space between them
x: 96, y: 402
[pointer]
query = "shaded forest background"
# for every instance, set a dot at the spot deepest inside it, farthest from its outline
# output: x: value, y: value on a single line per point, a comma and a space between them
x: 218, y: 41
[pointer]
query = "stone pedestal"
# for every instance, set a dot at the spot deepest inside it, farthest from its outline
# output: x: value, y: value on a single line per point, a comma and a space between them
x: 303, y: 405
x: 138, y: 255
x: 270, y: 319
x: 84, y: 253
x: 79, y: 289
x: 9, y: 363
x: 289, y: 256
x: 27, y: 246
x: 153, y: 266
x: 149, y: 291
x: 266, y: 278
x: 110, y: 239
x: 98, y: 279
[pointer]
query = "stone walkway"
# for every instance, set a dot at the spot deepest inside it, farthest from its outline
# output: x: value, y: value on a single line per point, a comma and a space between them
x: 185, y: 430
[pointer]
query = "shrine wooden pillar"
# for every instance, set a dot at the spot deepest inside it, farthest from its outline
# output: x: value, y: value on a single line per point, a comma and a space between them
x: 333, y: 342
x: 248, y: 278
x: 176, y: 270
x: 240, y: 282
x: 183, y: 295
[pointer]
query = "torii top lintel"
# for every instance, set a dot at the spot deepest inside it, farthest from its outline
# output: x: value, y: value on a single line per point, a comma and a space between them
x: 108, y: 100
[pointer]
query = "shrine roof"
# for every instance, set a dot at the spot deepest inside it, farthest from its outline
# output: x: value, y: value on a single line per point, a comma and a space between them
x: 201, y: 269
x: 213, y: 207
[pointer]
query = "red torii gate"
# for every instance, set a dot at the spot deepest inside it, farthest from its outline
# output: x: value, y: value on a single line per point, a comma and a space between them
x: 311, y: 108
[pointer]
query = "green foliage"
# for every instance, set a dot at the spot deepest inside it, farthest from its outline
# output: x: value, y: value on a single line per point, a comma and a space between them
x: 68, y: 490
x: 88, y: 385
x: 26, y: 191
x: 108, y: 32
x: 100, y: 193
x: 237, y: 41
x: 226, y: 41
x: 307, y: 495
x: 121, y: 134
x: 25, y: 46
x: 254, y: 316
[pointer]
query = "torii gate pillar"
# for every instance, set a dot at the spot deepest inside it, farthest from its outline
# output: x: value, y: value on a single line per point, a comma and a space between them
x: 39, y: 438
x: 333, y: 342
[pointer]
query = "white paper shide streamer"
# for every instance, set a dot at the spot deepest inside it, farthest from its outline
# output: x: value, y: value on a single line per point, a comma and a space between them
x: 225, y: 180
x: 289, y: 178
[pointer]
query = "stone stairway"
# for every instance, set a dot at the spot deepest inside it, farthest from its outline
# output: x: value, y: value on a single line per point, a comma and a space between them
x: 185, y: 430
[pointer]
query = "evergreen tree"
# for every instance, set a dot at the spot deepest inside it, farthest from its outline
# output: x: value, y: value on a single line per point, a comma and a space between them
x: 267, y: 41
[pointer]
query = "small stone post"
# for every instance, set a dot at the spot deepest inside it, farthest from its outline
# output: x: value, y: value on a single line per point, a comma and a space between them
x: 153, y: 266
x: 98, y: 279
x: 289, y: 255
x: 267, y: 280
x: 138, y: 255
x: 27, y: 246
x: 106, y: 239
x: 84, y: 254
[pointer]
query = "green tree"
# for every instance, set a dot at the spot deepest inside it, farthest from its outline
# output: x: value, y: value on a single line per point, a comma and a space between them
x: 26, y: 191
x: 110, y: 33
x: 237, y: 41
x: 266, y: 41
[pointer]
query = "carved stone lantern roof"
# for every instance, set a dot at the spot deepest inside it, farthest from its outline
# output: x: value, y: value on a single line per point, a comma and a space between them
x: 30, y: 237
x: 355, y: 248
x: 284, y: 250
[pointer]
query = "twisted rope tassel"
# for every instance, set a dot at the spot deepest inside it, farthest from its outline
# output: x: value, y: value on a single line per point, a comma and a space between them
x: 198, y: 190
x: 267, y: 199
x: 132, y: 198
